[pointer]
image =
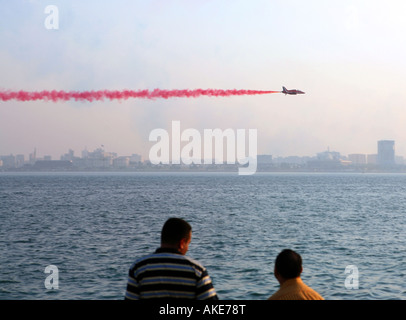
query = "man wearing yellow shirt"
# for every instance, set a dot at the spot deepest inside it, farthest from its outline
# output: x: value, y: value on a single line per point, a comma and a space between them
x: 288, y: 267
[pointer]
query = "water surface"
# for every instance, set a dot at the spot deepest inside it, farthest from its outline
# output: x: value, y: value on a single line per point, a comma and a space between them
x: 93, y: 225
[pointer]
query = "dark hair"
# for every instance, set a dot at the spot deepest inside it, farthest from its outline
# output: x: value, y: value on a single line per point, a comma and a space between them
x: 288, y: 263
x: 174, y: 230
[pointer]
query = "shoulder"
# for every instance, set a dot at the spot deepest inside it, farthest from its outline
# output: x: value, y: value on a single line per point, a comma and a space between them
x: 309, y: 292
x: 312, y: 294
x: 143, y: 260
x: 167, y: 257
x: 195, y: 263
x: 295, y: 289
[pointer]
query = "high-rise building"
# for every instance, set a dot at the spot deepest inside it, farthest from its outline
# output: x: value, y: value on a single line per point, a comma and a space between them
x: 386, y: 153
x: 135, y: 158
x: 68, y: 156
x: 33, y: 156
x: 20, y: 160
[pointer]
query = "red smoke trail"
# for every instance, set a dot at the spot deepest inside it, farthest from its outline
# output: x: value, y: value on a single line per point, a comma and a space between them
x: 122, y: 94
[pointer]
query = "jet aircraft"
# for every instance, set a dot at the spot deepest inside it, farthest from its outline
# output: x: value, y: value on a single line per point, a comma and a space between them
x: 293, y: 91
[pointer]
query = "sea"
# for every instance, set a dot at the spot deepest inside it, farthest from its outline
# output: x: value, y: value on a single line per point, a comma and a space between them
x: 73, y: 236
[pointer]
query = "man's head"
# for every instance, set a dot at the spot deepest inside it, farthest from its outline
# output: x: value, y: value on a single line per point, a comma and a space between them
x: 176, y: 233
x: 288, y: 265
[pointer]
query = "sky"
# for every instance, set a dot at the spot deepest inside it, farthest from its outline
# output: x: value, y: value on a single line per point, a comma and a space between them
x: 348, y: 56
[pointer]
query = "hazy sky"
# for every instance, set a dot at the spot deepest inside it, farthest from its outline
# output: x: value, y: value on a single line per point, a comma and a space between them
x: 348, y: 56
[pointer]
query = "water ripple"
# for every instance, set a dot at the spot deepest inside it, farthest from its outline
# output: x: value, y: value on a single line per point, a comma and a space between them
x: 92, y: 226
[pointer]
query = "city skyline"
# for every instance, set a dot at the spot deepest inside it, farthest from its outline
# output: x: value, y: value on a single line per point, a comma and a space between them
x: 371, y: 149
x: 100, y: 151
x: 347, y: 56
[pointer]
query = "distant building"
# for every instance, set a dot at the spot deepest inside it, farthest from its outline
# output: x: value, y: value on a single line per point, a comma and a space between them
x: 121, y: 162
x: 327, y: 160
x: 99, y: 163
x: 135, y: 158
x: 372, y: 158
x: 33, y: 156
x: 20, y: 160
x: 68, y: 156
x: 52, y: 165
x: 85, y: 154
x: 357, y: 158
x: 399, y: 160
x: 264, y: 159
x: 386, y: 153
x: 328, y: 156
x: 8, y: 161
x: 101, y: 154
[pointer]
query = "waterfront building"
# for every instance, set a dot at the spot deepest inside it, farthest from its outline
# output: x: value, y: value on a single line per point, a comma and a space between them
x: 386, y: 153
x: 371, y: 158
x: 121, y: 162
x: 357, y: 158
x: 264, y: 159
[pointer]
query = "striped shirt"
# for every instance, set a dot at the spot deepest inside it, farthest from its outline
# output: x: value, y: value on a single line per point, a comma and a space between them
x: 168, y: 274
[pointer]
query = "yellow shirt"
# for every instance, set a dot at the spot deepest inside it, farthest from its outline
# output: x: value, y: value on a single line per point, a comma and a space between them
x: 295, y: 289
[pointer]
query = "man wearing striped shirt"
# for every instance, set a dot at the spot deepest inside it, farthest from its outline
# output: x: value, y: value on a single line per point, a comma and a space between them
x: 168, y: 273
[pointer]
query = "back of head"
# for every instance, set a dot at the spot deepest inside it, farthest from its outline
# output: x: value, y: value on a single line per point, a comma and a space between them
x: 174, y: 230
x: 288, y: 264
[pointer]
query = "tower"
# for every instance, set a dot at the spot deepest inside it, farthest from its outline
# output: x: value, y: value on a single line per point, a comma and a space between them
x: 386, y: 153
